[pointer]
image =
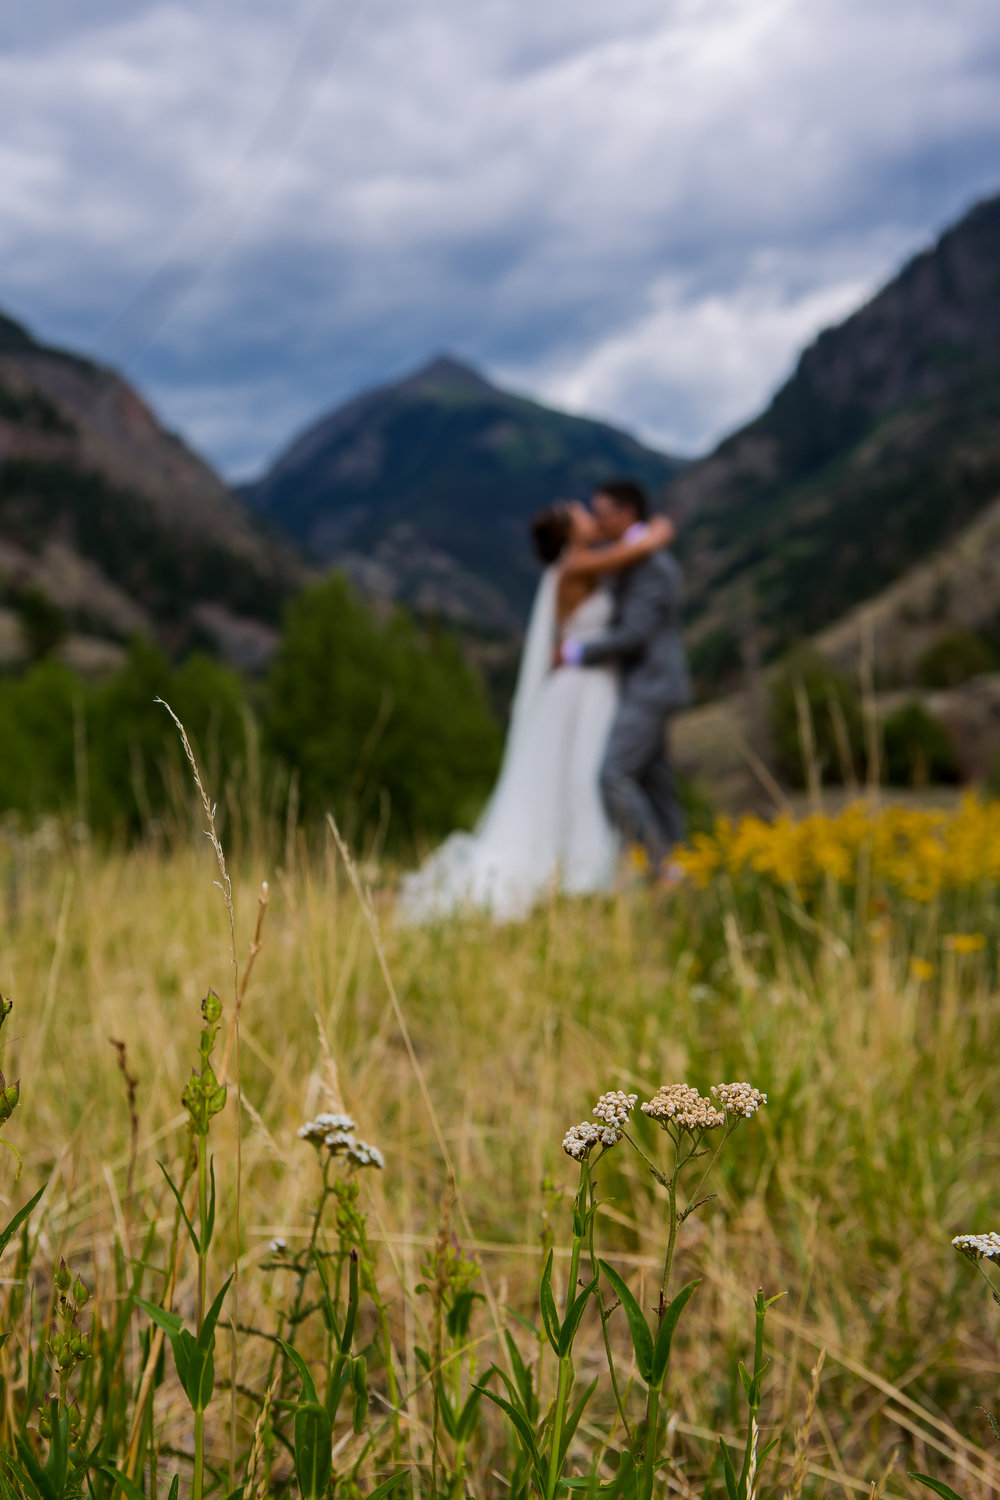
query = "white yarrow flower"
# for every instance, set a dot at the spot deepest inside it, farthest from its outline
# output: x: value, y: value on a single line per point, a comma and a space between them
x: 978, y: 1246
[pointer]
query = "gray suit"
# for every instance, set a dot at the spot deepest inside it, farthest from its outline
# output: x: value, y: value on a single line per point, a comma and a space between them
x: 644, y: 639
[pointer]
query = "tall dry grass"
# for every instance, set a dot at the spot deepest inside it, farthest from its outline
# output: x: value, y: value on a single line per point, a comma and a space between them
x: 878, y: 1143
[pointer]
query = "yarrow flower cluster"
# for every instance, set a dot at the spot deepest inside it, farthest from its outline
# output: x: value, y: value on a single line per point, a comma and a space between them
x: 739, y: 1098
x: 580, y: 1138
x: 978, y: 1246
x: 681, y: 1105
x: 615, y: 1107
x: 677, y: 1107
x: 612, y: 1111
x: 335, y: 1133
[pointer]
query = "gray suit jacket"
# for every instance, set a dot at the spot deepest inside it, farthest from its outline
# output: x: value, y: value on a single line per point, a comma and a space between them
x: 645, y: 636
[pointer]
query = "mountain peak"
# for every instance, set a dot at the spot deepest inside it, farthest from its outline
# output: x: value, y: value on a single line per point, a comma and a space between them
x: 445, y: 373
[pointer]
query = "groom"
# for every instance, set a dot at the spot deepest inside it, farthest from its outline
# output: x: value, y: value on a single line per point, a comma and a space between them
x: 644, y: 640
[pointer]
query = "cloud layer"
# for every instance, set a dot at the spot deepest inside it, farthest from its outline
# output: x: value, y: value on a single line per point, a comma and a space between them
x: 641, y: 212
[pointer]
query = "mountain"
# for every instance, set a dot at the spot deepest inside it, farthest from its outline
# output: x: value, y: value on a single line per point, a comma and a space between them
x: 423, y: 489
x: 112, y: 521
x: 882, y: 446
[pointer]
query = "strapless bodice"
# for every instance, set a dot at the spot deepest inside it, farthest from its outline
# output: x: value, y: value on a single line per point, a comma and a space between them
x: 591, y: 617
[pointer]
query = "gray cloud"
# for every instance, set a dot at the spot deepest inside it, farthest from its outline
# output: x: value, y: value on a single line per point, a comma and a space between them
x: 642, y: 212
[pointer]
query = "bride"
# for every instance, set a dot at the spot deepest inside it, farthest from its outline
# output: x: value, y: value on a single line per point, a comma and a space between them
x: 544, y: 827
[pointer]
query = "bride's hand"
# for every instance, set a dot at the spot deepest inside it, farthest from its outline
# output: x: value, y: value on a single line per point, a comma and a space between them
x: 661, y: 533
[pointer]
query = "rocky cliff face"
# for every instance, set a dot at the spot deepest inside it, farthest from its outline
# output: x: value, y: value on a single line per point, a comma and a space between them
x: 115, y: 521
x: 883, y: 444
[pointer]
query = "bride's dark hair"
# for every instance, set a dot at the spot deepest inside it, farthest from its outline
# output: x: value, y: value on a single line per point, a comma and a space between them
x: 550, y: 531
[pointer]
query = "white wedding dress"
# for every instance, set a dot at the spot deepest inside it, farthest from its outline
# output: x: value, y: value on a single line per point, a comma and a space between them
x: 544, y: 827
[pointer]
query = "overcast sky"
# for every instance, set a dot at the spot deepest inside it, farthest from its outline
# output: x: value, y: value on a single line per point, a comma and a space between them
x: 639, y: 210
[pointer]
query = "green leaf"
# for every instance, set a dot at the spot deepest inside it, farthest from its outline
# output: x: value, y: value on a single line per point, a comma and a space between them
x: 206, y: 1337
x: 937, y: 1485
x: 181, y: 1341
x: 313, y: 1449
x: 353, y: 1299
x: 199, y: 1380
x: 25, y: 1480
x: 359, y: 1388
x: 525, y: 1323
x: 128, y: 1487
x: 210, y: 1222
x: 573, y: 1317
x: 522, y: 1427
x: 9, y: 1231
x: 664, y: 1337
x: 388, y: 1485
x: 511, y: 1388
x: 573, y: 1421
x: 447, y: 1411
x: 57, y: 1463
x: 188, y: 1362
x: 468, y: 1416
x: 329, y: 1311
x: 522, y: 1375
x: 170, y: 1322
x: 732, y: 1489
x: 765, y: 1451
x: 180, y: 1204
x: 550, y: 1318
x: 642, y: 1339
x: 309, y: 1393
x: 36, y: 1475
x: 175, y: 1485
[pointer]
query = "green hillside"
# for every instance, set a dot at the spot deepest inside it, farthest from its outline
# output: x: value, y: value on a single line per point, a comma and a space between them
x: 425, y: 488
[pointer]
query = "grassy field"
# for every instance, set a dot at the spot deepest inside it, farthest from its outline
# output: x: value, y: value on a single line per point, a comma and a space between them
x: 865, y: 1009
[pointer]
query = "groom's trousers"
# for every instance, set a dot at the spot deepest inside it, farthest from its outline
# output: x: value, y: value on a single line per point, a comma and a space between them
x: 637, y: 782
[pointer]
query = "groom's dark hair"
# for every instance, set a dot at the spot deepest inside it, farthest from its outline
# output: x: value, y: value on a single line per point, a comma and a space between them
x: 627, y: 495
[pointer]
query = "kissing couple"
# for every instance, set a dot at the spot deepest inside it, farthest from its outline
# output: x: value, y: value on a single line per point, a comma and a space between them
x: 586, y: 768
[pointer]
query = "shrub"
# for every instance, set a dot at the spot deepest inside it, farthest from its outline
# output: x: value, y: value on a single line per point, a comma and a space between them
x: 955, y: 657
x: 830, y: 699
x: 42, y: 621
x: 917, y: 748
x: 102, y: 749
x: 369, y: 713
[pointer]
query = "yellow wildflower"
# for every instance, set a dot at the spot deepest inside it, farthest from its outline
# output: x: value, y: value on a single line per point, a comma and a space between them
x: 965, y: 942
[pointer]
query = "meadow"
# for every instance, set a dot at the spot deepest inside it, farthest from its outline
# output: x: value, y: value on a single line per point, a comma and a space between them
x: 846, y: 966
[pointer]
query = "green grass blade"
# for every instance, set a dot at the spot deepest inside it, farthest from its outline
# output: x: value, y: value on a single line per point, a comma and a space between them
x: 9, y: 1230
x: 937, y: 1485
x: 180, y: 1204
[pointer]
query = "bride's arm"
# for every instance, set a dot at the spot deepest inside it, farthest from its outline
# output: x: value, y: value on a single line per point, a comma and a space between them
x: 594, y: 562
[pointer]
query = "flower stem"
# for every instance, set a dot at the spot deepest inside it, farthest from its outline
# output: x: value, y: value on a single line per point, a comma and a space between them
x: 203, y: 1230
x: 649, y: 1455
x: 558, y: 1422
x: 198, y: 1481
x: 605, y: 1319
